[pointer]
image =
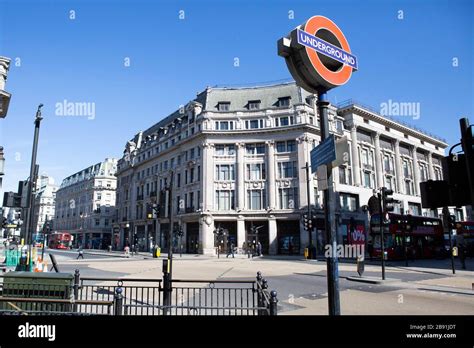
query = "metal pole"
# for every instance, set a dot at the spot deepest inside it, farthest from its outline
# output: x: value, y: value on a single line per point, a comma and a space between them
x: 170, y: 233
x: 330, y: 221
x: 308, y: 195
x: 382, y: 246
x: 464, y: 123
x: 29, y: 216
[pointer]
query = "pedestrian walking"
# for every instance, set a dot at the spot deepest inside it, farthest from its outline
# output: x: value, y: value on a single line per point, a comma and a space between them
x: 81, y: 253
x: 231, y: 250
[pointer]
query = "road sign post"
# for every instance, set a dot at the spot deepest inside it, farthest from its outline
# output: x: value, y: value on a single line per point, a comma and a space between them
x: 319, y: 58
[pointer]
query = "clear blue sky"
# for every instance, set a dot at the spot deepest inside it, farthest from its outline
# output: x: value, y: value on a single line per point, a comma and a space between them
x: 82, y: 60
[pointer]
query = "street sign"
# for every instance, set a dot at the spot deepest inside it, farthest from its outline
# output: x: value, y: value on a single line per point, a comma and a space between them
x: 360, y: 266
x: 322, y: 175
x: 318, y: 55
x: 324, y: 153
x: 342, y: 152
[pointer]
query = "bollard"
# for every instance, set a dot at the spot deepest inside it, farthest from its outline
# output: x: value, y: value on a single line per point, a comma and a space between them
x: 118, y: 302
x: 76, y: 287
x: 259, y: 292
x: 273, y: 302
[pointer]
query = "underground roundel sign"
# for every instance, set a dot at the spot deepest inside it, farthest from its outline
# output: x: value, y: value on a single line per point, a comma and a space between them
x: 318, y: 55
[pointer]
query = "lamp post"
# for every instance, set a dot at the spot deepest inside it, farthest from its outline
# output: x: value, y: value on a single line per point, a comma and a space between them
x: 2, y: 165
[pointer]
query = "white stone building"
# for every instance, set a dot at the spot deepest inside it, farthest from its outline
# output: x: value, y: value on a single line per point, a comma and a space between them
x: 238, y: 157
x: 85, y: 205
x: 44, y: 205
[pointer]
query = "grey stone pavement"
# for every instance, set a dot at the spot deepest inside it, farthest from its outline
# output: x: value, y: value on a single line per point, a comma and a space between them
x: 425, y: 287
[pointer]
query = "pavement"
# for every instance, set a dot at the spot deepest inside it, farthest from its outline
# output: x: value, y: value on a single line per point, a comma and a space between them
x: 425, y: 287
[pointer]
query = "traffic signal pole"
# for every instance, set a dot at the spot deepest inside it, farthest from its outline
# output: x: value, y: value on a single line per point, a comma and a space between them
x: 308, y: 197
x: 382, y: 246
x: 329, y: 218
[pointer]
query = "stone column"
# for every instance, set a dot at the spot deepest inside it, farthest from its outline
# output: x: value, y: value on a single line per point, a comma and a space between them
x: 416, y: 170
x: 272, y: 235
x: 240, y: 232
x: 271, y: 163
x: 240, y: 176
x: 430, y: 166
x: 207, y: 176
x: 378, y: 161
x: 398, y: 167
x: 355, y: 156
x: 206, y: 235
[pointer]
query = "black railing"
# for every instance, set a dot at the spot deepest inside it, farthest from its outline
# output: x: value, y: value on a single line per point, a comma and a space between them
x: 137, y: 296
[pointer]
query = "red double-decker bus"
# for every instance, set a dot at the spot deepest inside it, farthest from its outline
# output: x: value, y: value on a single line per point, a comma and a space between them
x: 60, y: 240
x: 424, y: 237
x: 465, y: 232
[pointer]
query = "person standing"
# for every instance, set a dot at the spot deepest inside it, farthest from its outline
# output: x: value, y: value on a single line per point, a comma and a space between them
x: 81, y: 253
x: 259, y: 249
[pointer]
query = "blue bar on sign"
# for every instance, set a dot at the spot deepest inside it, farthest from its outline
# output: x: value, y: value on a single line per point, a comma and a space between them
x: 329, y: 50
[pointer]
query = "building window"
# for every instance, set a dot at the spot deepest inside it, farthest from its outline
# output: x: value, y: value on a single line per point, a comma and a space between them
x: 97, y: 222
x: 254, y: 105
x: 224, y: 125
x: 407, y: 170
x: 423, y: 172
x: 368, y: 179
x: 191, y: 175
x: 256, y: 199
x: 284, y: 121
x: 225, y: 150
x: 256, y: 171
x: 284, y: 102
x: 287, y: 170
x: 414, y: 208
x: 225, y: 172
x: 438, y: 173
x: 345, y: 176
x: 255, y: 149
x: 348, y: 201
x: 288, y: 198
x: 225, y: 200
x: 223, y: 106
x: 408, y: 187
x: 286, y: 146
x: 254, y: 124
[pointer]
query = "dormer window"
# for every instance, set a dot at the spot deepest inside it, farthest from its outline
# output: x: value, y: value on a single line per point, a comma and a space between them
x: 223, y: 106
x: 284, y: 102
x: 254, y: 105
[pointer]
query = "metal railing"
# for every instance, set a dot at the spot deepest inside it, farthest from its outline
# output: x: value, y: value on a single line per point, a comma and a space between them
x: 138, y: 296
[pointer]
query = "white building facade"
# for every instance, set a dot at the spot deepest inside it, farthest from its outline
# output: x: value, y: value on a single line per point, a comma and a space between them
x: 237, y: 157
x: 44, y: 205
x: 85, y: 205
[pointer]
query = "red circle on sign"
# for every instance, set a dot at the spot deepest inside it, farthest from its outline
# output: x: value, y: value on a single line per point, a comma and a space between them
x: 342, y: 75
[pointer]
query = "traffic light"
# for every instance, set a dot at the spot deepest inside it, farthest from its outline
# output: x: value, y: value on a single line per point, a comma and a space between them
x: 452, y: 222
x: 156, y: 210
x: 17, y: 215
x: 135, y: 239
x: 149, y: 211
x: 4, y: 222
x: 387, y: 200
x: 307, y: 222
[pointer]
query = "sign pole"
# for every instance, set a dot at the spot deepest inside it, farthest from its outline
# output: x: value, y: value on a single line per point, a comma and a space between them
x: 450, y: 232
x: 329, y: 218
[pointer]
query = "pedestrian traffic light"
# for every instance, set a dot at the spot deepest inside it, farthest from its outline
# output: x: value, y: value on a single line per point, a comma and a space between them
x: 135, y: 239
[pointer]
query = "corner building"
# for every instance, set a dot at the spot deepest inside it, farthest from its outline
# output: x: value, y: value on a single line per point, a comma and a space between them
x: 237, y: 157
